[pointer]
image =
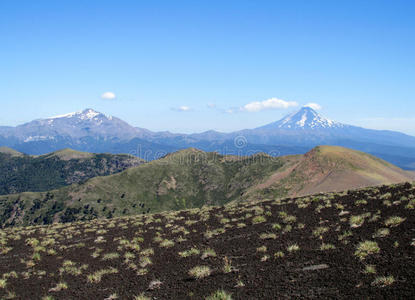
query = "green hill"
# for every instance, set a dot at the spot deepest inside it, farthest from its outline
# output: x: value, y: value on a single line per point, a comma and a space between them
x: 68, y: 154
x: 22, y: 173
x: 185, y: 179
x: 193, y: 178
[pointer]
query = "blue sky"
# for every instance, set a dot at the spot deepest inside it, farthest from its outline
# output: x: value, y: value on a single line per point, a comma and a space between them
x: 210, y: 59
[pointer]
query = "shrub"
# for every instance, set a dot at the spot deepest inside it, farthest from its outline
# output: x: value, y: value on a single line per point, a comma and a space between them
x: 144, y: 261
x: 227, y: 268
x: 276, y: 226
x: 325, y: 246
x: 224, y: 220
x: 208, y: 253
x: 110, y: 256
x: 366, y: 248
x: 59, y: 287
x: 320, y: 231
x: 287, y: 228
x: 370, y: 269
x: 147, y: 252
x: 258, y: 219
x: 262, y: 249
x: 268, y: 236
x: 167, y: 243
x: 382, y: 232
x: 190, y: 252
x: 394, y: 221
x: 96, y: 277
x: 219, y: 295
x: 357, y: 221
x: 383, y: 281
x: 279, y: 254
x: 142, y: 297
x: 142, y: 272
x: 293, y: 248
x: 199, y: 272
x: 288, y: 219
x: 360, y: 202
x: 3, y: 283
x: 411, y: 204
x: 345, y: 235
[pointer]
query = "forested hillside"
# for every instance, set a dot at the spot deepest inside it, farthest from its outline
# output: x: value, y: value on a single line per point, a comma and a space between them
x: 24, y: 173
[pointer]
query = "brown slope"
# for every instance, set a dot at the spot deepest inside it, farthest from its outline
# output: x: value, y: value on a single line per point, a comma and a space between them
x: 11, y: 152
x: 329, y: 168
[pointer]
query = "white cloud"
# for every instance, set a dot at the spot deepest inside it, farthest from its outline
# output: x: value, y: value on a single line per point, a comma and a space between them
x: 182, y: 108
x: 314, y: 106
x: 108, y: 96
x: 211, y: 105
x: 272, y: 103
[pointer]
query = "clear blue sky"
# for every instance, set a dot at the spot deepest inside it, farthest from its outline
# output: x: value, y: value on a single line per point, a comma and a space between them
x: 354, y: 58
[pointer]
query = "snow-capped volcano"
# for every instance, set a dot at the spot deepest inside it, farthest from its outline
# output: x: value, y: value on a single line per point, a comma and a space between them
x: 87, y: 123
x: 92, y: 131
x: 87, y: 114
x: 305, y: 118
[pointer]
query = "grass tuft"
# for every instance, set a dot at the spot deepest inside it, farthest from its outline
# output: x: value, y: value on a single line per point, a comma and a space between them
x: 366, y: 248
x: 219, y: 295
x: 383, y: 281
x: 200, y: 272
x: 394, y: 221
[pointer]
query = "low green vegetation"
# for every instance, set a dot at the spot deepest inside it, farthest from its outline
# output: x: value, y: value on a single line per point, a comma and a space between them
x: 219, y: 295
x: 394, y: 221
x: 171, y: 183
x: 25, y: 173
x: 200, y: 272
x: 366, y: 248
x: 383, y: 281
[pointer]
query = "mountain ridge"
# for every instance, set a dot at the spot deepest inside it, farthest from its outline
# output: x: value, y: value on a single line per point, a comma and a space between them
x: 193, y: 178
x: 297, y: 133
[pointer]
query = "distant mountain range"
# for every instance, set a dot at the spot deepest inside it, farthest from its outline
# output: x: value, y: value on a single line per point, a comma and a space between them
x: 192, y: 178
x: 296, y: 133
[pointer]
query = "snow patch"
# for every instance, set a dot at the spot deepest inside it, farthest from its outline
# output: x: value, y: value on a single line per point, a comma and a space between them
x: 301, y: 123
x: 88, y: 114
x: 37, y: 138
x: 307, y: 118
x: 66, y: 115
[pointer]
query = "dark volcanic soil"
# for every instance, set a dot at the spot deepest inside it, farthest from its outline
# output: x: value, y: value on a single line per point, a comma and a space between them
x: 249, y: 238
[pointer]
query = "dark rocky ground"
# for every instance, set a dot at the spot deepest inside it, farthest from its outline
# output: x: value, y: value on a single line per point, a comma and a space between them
x: 255, y: 248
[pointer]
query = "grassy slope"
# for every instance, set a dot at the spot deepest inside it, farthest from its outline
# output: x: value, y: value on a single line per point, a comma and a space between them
x: 10, y: 151
x: 68, y: 154
x: 332, y: 168
x: 301, y: 248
